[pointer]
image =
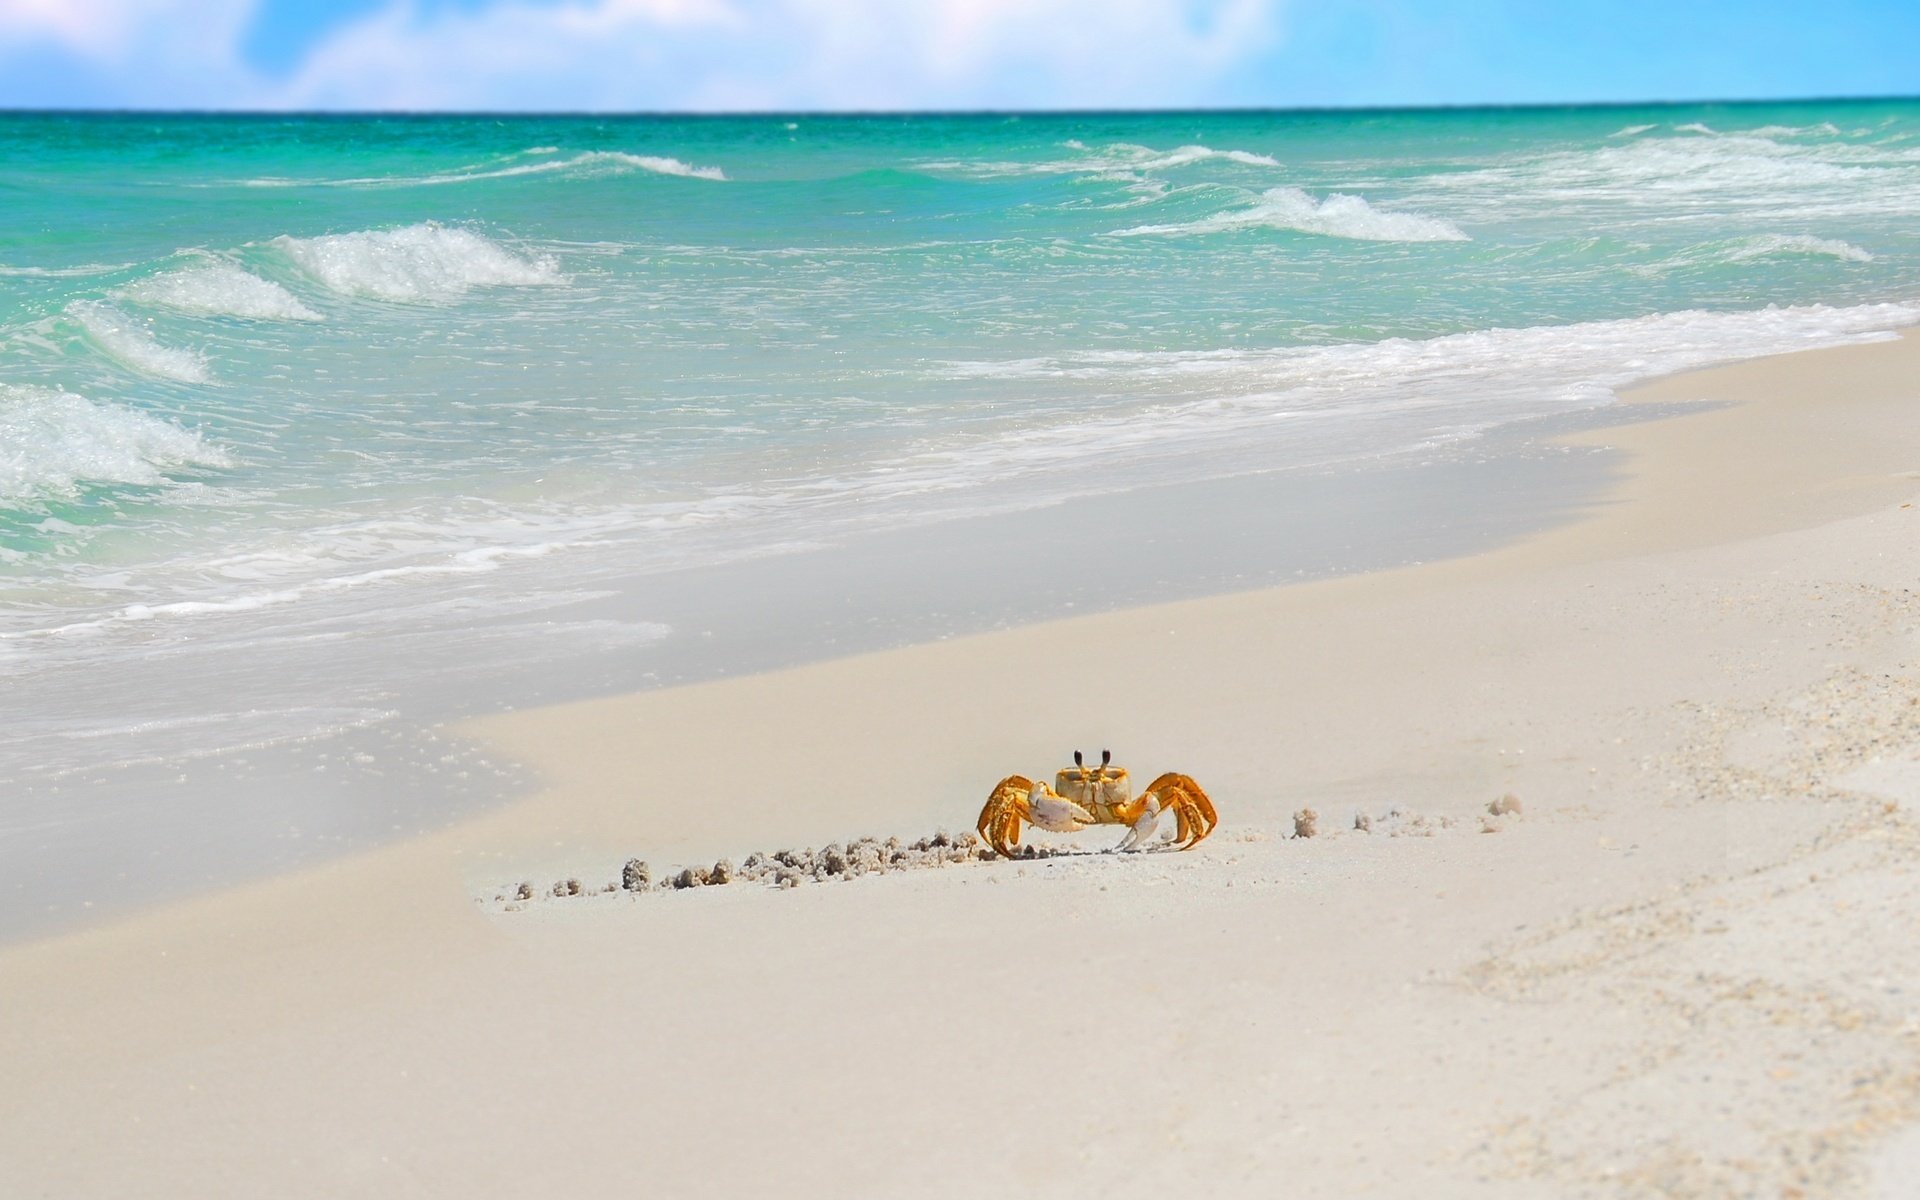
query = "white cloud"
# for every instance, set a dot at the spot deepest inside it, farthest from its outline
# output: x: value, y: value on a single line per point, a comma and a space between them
x: 153, y: 52
x: 784, y: 54
x: 666, y: 54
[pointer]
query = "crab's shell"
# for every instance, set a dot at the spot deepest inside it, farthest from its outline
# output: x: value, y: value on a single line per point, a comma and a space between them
x: 1102, y: 791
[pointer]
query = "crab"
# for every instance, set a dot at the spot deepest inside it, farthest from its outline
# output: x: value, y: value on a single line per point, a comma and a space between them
x: 1082, y: 795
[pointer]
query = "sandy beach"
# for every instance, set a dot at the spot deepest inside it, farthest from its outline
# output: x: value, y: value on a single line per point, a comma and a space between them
x: 1688, y: 966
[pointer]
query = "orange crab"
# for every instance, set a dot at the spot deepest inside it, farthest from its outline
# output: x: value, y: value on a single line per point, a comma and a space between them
x: 1083, y: 796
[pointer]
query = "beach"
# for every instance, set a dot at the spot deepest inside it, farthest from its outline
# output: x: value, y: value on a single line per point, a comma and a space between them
x: 1685, y: 966
x: 322, y: 433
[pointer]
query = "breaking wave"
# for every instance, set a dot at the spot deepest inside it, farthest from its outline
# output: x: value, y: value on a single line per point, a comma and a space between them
x: 1755, y: 248
x: 54, y: 443
x: 220, y: 289
x: 1115, y: 158
x: 414, y: 263
x: 589, y: 163
x: 1772, y: 245
x: 122, y: 339
x: 1338, y: 215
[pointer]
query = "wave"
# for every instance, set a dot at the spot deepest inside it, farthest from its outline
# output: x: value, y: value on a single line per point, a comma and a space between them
x: 1143, y: 158
x: 1295, y: 406
x: 1339, y: 215
x: 414, y: 263
x: 1612, y: 352
x: 54, y: 443
x: 1772, y: 245
x: 220, y: 289
x: 1823, y: 129
x: 83, y: 269
x: 1117, y: 158
x: 1756, y: 247
x: 589, y: 163
x: 121, y: 338
x: 1680, y: 175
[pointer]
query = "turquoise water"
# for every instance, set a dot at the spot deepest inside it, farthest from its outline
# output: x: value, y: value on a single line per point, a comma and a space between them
x: 274, y: 388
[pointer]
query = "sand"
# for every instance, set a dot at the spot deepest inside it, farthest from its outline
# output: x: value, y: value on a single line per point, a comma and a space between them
x: 1688, y: 962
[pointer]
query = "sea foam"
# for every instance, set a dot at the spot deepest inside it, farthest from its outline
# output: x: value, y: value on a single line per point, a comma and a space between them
x: 1772, y: 245
x: 124, y: 340
x: 1338, y: 215
x: 414, y: 263
x: 1119, y: 157
x: 53, y: 443
x: 589, y: 163
x: 220, y: 289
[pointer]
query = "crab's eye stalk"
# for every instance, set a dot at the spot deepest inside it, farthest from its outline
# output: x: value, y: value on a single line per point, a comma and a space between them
x: 1076, y: 759
x: 1106, y: 757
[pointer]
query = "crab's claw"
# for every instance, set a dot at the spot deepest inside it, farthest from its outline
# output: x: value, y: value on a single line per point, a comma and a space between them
x: 1017, y: 799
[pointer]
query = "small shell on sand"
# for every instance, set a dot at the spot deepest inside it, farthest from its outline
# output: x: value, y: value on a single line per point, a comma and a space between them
x: 1306, y: 823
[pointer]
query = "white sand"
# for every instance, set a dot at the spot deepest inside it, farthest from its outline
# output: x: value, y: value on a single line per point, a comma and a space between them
x: 1691, y: 967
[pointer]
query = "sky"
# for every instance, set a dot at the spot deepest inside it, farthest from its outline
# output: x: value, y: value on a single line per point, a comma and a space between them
x: 812, y: 55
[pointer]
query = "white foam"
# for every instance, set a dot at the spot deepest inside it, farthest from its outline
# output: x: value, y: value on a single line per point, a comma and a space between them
x: 1754, y: 248
x: 1823, y: 129
x: 414, y: 263
x: 53, y: 443
x: 1371, y: 399
x: 588, y: 163
x: 592, y: 162
x: 1153, y: 161
x: 124, y: 340
x: 1771, y: 245
x: 1699, y: 178
x: 220, y: 289
x: 1338, y: 215
x: 63, y: 272
x: 1117, y: 159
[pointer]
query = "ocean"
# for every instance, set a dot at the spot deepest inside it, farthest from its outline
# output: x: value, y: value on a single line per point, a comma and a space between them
x: 317, y: 430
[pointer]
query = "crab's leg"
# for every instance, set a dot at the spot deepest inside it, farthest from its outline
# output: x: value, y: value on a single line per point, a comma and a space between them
x: 1143, y: 825
x: 1006, y: 807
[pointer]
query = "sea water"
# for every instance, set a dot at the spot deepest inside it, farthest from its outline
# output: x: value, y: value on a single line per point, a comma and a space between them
x: 316, y: 429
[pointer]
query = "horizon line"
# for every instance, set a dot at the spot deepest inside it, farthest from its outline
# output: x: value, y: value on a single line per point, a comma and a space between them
x: 725, y: 114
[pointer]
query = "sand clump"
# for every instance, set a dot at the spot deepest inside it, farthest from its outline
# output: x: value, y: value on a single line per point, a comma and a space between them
x: 789, y: 868
x: 1498, y: 812
x: 1306, y: 823
x: 1399, y: 821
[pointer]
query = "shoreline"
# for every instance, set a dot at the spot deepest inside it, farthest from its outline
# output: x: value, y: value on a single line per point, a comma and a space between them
x: 1757, y: 496
x: 1650, y: 679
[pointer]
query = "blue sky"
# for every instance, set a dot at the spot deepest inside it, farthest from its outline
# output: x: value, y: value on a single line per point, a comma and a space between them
x: 907, y: 54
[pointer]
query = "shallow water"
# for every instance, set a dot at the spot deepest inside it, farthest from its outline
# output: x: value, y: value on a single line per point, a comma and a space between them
x: 314, y: 430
